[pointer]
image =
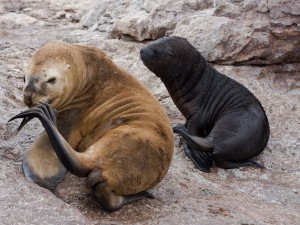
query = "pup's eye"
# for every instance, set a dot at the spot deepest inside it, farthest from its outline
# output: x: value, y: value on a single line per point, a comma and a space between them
x: 51, y: 80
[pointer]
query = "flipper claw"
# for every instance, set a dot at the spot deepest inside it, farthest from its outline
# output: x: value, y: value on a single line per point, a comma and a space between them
x: 24, y: 122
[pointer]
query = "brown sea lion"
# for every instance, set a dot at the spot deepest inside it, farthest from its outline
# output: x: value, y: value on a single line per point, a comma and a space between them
x: 100, y: 123
x: 225, y: 121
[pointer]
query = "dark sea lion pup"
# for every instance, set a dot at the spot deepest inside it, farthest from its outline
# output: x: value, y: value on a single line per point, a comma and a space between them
x: 108, y: 126
x: 225, y: 122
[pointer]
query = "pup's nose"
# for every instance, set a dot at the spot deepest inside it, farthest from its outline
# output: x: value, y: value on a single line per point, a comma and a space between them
x: 146, y: 53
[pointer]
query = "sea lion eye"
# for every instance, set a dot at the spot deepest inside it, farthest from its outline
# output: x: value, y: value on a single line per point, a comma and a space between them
x: 51, y: 80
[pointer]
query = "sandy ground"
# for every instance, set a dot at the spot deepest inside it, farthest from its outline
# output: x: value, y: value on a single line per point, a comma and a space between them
x: 186, y: 195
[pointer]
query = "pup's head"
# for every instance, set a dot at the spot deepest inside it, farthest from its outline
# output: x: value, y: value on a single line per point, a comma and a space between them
x: 167, y: 56
x: 50, y: 76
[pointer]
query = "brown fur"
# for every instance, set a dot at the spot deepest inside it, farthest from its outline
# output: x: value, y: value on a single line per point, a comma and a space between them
x: 115, y: 125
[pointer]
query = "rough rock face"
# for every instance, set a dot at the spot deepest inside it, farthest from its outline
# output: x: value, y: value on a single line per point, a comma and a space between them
x: 227, y: 32
x: 240, y: 32
x: 140, y: 20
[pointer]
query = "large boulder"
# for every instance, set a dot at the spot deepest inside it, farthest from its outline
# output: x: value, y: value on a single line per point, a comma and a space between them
x: 246, y: 32
x: 218, y: 38
x: 140, y: 20
x: 227, y: 32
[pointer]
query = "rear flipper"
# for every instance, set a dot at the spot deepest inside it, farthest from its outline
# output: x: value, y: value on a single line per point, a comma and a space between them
x: 203, y: 160
x: 106, y: 197
x: 226, y: 164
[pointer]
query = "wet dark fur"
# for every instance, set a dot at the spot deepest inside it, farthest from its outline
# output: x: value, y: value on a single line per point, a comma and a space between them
x: 225, y: 121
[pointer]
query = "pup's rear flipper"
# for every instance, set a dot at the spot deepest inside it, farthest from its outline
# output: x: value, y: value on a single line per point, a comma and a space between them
x: 227, y: 164
x: 203, y: 160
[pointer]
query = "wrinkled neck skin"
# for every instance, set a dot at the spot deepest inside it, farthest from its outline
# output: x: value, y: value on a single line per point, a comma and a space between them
x: 92, y: 106
x: 74, y: 101
x: 75, y: 94
x: 87, y: 83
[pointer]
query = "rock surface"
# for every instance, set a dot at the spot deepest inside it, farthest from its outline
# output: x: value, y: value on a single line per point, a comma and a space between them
x: 240, y: 32
x: 227, y: 32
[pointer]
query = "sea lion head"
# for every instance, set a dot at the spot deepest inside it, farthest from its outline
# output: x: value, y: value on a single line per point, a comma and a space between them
x: 52, y: 76
x: 167, y: 55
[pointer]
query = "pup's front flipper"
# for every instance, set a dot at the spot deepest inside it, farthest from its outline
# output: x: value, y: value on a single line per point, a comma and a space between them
x: 41, y: 165
x: 196, y: 148
x: 203, y: 160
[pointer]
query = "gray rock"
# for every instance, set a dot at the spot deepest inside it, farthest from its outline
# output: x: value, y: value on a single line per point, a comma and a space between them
x: 225, y: 36
x: 15, y: 20
x: 227, y: 9
x: 23, y: 202
x: 235, y: 42
x: 94, y: 14
x: 143, y: 25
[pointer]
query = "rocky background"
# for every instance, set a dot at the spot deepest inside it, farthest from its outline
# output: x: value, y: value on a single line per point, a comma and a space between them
x: 256, y: 42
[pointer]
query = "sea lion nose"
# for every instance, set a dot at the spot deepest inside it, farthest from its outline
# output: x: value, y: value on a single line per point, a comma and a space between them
x: 28, y: 94
x: 28, y: 98
x: 142, y: 51
x: 146, y: 53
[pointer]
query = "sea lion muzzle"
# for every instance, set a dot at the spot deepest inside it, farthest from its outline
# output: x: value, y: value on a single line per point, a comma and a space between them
x: 29, y: 93
x: 28, y: 98
x: 147, y: 53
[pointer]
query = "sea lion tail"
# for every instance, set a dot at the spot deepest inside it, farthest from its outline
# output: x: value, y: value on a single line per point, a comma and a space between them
x: 195, y: 142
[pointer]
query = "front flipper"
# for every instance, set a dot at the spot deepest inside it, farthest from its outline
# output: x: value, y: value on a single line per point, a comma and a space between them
x: 76, y: 163
x: 202, y: 160
x: 195, y: 142
x: 41, y: 165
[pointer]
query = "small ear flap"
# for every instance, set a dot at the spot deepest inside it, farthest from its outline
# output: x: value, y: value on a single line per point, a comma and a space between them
x: 68, y: 66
